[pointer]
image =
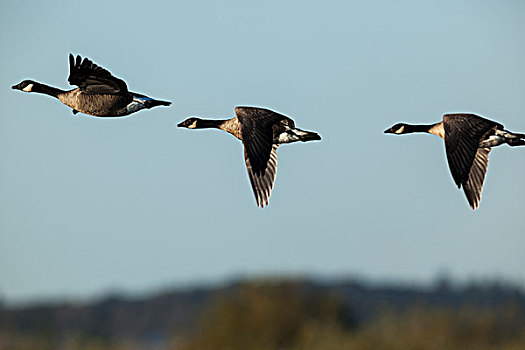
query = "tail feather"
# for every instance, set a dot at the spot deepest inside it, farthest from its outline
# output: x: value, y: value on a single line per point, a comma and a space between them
x: 155, y: 103
x: 520, y: 142
x: 308, y: 135
x: 515, y: 139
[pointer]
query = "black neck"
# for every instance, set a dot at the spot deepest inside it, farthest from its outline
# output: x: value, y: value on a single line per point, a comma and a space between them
x: 46, y: 89
x: 210, y: 123
x: 417, y: 128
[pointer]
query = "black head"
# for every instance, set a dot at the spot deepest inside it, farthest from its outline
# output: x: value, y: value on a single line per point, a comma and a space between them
x: 399, y: 128
x: 26, y: 85
x: 190, y: 123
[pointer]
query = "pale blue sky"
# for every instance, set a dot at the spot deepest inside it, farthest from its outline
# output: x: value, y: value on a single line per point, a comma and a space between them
x: 89, y: 205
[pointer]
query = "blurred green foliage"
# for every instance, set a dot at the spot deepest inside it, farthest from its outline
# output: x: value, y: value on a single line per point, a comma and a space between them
x: 282, y: 316
x: 267, y: 315
x: 291, y: 315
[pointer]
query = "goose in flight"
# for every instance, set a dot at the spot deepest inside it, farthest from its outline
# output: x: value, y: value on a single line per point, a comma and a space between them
x: 262, y: 131
x: 98, y: 94
x: 468, y: 141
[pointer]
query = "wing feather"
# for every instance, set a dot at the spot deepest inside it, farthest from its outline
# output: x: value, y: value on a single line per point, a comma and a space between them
x: 262, y: 183
x: 257, y: 133
x: 93, y: 79
x: 463, y: 133
x: 474, y: 185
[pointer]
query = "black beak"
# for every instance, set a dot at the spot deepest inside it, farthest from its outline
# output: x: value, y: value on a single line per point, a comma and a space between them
x: 389, y: 131
x: 180, y: 125
x: 15, y: 87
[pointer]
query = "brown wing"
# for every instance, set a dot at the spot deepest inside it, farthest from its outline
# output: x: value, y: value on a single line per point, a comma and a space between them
x: 257, y: 134
x: 93, y: 79
x: 463, y: 132
x: 262, y: 183
x: 476, y: 176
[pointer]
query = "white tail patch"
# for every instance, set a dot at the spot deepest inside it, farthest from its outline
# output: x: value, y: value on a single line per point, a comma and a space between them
x: 136, y: 105
x: 492, y: 141
x: 291, y: 135
x: 500, y: 137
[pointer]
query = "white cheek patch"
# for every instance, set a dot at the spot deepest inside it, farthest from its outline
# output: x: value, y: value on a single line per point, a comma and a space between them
x: 400, y: 130
x: 193, y: 125
x: 28, y: 88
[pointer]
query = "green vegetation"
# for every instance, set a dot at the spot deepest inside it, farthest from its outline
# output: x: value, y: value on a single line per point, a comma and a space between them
x: 281, y: 315
x: 267, y: 316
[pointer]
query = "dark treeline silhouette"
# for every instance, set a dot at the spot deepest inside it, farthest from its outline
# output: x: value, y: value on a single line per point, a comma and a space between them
x: 280, y: 314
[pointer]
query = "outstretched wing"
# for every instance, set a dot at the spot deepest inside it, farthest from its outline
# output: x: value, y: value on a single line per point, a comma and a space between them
x: 257, y: 134
x: 262, y: 182
x: 476, y: 176
x: 463, y: 132
x: 93, y: 79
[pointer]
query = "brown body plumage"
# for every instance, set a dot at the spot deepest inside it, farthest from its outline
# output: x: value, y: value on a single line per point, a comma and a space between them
x: 100, y: 105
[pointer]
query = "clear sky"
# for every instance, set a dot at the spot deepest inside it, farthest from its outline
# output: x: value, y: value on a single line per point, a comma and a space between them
x: 89, y: 205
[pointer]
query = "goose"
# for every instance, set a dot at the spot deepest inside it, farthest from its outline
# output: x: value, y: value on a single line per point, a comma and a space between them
x: 262, y: 131
x: 98, y: 94
x: 468, y: 140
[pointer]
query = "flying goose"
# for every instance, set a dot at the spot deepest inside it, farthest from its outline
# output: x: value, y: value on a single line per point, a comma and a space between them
x: 468, y: 141
x: 261, y: 131
x: 98, y: 94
